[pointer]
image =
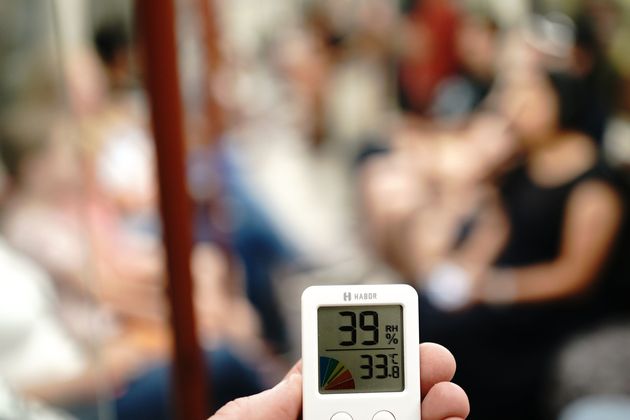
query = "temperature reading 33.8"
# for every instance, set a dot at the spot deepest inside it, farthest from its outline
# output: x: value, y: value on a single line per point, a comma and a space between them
x: 360, y: 349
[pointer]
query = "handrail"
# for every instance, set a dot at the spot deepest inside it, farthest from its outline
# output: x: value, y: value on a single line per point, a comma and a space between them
x: 157, y: 31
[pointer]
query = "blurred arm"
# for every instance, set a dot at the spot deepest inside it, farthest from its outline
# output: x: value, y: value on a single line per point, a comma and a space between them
x: 108, y: 372
x: 486, y: 240
x: 592, y: 220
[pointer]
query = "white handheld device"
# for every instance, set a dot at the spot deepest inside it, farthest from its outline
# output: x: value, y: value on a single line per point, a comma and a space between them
x: 360, y: 353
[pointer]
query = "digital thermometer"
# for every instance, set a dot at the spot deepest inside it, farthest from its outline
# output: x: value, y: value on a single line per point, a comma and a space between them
x: 360, y: 353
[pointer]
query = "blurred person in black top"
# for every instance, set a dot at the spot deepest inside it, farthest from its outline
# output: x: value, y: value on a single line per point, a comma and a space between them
x: 536, y: 265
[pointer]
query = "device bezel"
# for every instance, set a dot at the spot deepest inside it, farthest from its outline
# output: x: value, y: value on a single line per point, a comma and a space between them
x: 405, y: 404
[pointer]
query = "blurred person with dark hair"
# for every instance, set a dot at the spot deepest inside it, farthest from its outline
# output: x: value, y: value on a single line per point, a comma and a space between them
x: 574, y: 47
x: 538, y: 264
x: 113, y: 43
x: 120, y: 160
x: 118, y: 143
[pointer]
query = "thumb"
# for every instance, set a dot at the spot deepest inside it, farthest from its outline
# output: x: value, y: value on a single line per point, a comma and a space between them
x: 282, y: 402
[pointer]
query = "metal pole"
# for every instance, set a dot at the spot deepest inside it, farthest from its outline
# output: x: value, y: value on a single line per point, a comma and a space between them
x: 157, y: 29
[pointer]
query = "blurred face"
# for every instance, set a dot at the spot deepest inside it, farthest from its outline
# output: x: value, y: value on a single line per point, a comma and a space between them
x: 53, y: 171
x: 304, y: 63
x: 476, y: 47
x: 86, y: 82
x: 492, y: 142
x: 454, y: 163
x: 531, y: 107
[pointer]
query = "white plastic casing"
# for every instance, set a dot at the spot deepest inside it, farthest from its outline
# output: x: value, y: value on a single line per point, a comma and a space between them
x: 404, y: 405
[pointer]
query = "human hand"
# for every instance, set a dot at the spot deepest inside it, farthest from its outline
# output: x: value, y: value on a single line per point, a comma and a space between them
x: 441, y: 399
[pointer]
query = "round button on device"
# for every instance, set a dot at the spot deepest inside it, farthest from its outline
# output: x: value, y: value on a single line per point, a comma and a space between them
x: 341, y: 416
x: 383, y: 415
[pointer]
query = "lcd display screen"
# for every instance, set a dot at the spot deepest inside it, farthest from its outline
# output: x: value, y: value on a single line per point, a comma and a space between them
x: 360, y: 349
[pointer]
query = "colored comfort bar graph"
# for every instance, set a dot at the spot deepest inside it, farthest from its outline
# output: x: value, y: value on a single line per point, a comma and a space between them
x: 333, y: 375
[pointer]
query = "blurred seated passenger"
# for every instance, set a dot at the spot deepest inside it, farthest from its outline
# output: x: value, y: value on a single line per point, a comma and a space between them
x: 102, y: 278
x: 476, y: 47
x: 119, y: 156
x: 41, y: 359
x: 49, y: 206
x: 118, y: 141
x: 428, y: 52
x: 537, y: 265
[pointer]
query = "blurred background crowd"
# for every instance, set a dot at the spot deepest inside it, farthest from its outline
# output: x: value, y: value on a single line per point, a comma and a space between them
x: 476, y: 149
